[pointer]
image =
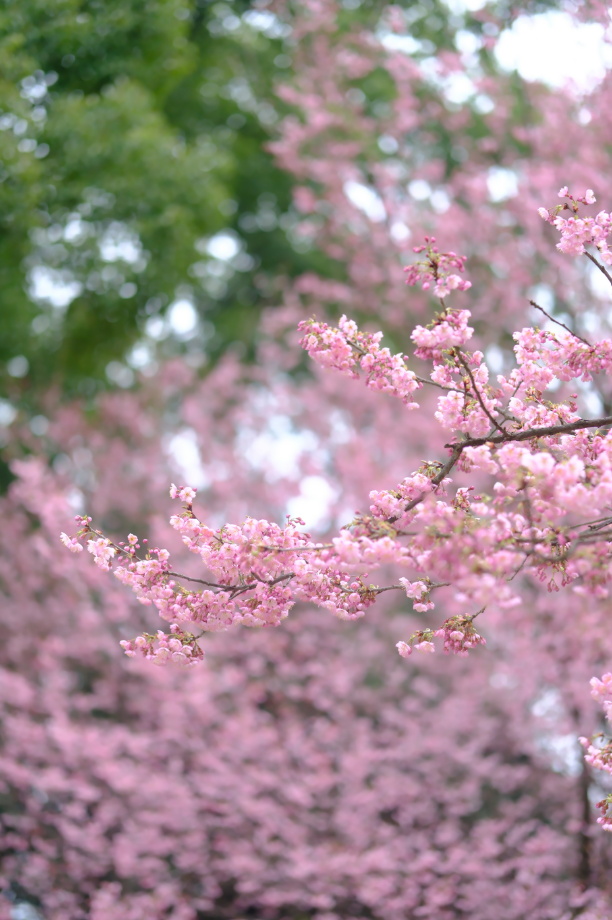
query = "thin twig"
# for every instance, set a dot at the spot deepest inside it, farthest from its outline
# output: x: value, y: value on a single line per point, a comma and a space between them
x: 558, y: 322
x: 596, y: 521
x: 443, y: 584
x: 432, y: 383
x: 592, y: 536
x: 507, y: 415
x: 297, y: 549
x: 466, y: 366
x: 527, y: 505
x: 209, y: 584
x: 444, y: 471
x: 599, y: 266
x: 512, y: 577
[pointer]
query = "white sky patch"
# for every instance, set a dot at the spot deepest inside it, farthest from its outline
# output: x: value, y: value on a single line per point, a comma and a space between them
x: 18, y: 366
x: 8, y: 413
x: 599, y: 284
x: 440, y: 201
x: 278, y: 449
x: 544, y: 296
x: 314, y: 501
x: 76, y: 500
x: 420, y: 189
x: 467, y: 42
x: 404, y: 43
x: 502, y: 183
x: 120, y: 374
x: 400, y: 232
x: 183, y: 318
x: 590, y: 401
x: 140, y: 356
x: 494, y: 357
x: 77, y: 230
x: 366, y: 199
x: 157, y: 328
x: 184, y: 451
x: 388, y: 144
x: 459, y: 7
x: 483, y: 104
x: 458, y: 88
x: 58, y: 288
x: 555, y: 49
x: 565, y: 752
x: 266, y: 22
x: 119, y: 243
x: 223, y: 246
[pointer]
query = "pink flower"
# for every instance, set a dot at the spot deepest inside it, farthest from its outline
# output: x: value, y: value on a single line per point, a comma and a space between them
x: 425, y: 647
x: 71, y: 543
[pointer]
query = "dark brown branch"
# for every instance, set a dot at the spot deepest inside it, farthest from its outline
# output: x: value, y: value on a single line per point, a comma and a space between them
x: 529, y: 433
x: 558, y: 322
x: 209, y: 584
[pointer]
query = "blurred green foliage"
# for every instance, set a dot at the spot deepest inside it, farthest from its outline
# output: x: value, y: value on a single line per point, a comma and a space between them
x: 131, y: 131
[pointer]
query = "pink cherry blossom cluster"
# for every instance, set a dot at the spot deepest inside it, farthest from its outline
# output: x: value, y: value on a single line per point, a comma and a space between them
x: 345, y: 347
x: 254, y: 565
x: 545, y: 355
x: 419, y: 592
x: 576, y: 233
x: 181, y: 648
x: 448, y: 330
x: 391, y: 505
x: 457, y: 632
x: 437, y: 268
x: 598, y: 750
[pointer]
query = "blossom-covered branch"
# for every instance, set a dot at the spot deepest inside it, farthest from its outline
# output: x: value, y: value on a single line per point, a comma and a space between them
x: 541, y: 478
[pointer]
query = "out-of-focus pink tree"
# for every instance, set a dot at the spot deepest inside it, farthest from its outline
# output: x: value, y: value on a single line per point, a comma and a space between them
x: 309, y: 771
x: 303, y: 771
x: 393, y: 143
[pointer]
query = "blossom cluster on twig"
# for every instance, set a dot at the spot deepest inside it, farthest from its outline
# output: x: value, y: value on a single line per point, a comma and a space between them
x: 437, y: 269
